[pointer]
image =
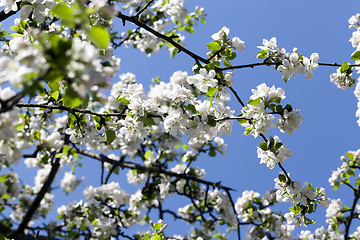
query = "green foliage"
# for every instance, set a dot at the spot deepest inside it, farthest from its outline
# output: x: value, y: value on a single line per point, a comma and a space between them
x: 214, y: 46
x: 355, y: 56
x: 254, y: 102
x: 98, y: 35
x: 110, y: 136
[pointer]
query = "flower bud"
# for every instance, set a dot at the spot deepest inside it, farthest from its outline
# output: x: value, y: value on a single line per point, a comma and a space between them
x: 161, y: 221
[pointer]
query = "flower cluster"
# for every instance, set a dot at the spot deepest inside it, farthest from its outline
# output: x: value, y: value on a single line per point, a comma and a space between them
x: 273, y: 153
x: 257, y: 118
x: 347, y: 169
x: 303, y: 199
x: 288, y: 63
x: 342, y: 79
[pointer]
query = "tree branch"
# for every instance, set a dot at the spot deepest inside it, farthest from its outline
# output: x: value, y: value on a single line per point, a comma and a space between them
x: 161, y: 36
x: 148, y: 169
x: 4, y: 16
x: 352, y: 214
x: 252, y: 65
x: 143, y: 9
x: 36, y: 203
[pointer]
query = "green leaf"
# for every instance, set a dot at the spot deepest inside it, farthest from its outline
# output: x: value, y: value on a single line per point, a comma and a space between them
x: 99, y: 35
x: 277, y: 100
x: 110, y: 136
x: 123, y: 100
x: 2, y: 237
x: 344, y: 67
x: 263, y: 146
x: 282, y: 178
x: 262, y: 54
x: 97, y: 119
x: 63, y: 11
x: 355, y: 56
x: 242, y: 120
x: 213, y: 46
x: 71, y: 121
x: 2, y: 209
x: 231, y: 56
x: 23, y: 24
x: 212, y: 153
x: 278, y: 145
x: 157, y: 226
x: 227, y: 63
x: 254, y: 102
x: 191, y: 108
x: 116, y: 170
x: 148, y: 121
x: 211, y: 91
x: 345, y: 208
x: 147, y: 154
x: 55, y: 95
x: 71, y: 99
x: 350, y: 156
x: 156, y: 237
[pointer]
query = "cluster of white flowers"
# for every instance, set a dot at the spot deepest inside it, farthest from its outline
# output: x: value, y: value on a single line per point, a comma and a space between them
x: 299, y: 195
x: 203, y: 80
x: 19, y: 58
x: 357, y: 95
x: 346, y: 169
x: 235, y: 42
x: 260, y: 120
x: 336, y: 175
x: 274, y: 156
x: 222, y: 205
x: 70, y: 182
x: 12, y: 140
x: 243, y: 204
x: 174, y: 8
x: 342, y: 80
x: 320, y: 234
x: 83, y: 134
x: 98, y: 201
x: 356, y: 234
x: 334, y: 211
x: 288, y: 63
x: 250, y: 209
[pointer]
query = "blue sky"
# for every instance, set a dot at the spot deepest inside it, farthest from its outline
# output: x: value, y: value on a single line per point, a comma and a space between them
x: 329, y: 129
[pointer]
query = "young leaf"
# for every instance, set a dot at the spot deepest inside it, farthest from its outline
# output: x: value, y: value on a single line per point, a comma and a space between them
x: 148, y: 121
x: 254, y: 102
x: 344, y: 67
x: 355, y: 56
x: 213, y: 46
x: 157, y: 226
x: 63, y: 10
x: 99, y: 35
x: 110, y: 136
x: 211, y: 91
x: 263, y: 146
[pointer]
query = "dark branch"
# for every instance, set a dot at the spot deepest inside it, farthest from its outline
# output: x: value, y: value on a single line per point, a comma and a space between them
x: 161, y: 36
x: 149, y: 169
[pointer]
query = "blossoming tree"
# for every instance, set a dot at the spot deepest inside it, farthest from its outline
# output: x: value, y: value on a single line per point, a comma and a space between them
x: 57, y: 62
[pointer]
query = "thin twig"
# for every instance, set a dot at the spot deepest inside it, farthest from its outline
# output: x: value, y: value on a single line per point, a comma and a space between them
x: 133, y: 166
x: 143, y: 9
x: 162, y: 36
